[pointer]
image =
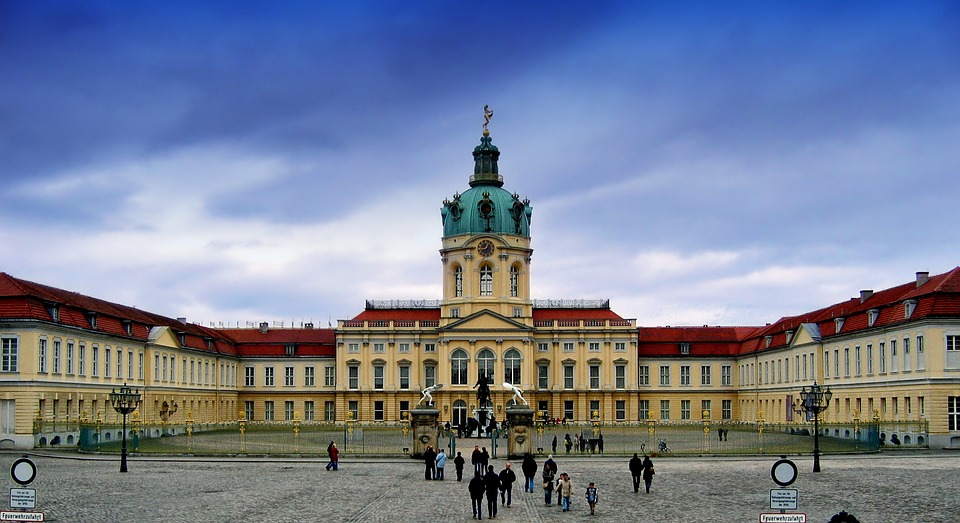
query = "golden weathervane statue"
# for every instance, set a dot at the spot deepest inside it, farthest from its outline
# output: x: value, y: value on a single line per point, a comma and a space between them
x: 487, y: 115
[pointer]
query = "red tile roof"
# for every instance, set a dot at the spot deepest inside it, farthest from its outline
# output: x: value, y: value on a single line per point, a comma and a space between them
x: 703, y: 341
x: 575, y: 314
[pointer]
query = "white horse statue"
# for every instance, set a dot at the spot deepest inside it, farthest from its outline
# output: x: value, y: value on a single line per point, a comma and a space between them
x: 517, y: 393
x: 427, y: 394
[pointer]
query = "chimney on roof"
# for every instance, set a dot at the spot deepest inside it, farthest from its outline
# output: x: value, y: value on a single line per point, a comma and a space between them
x: 865, y: 295
x: 922, y: 277
x: 263, y: 327
x: 182, y: 320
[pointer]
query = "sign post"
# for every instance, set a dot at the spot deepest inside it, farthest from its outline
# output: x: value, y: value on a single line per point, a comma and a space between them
x: 784, y: 473
x: 23, y: 471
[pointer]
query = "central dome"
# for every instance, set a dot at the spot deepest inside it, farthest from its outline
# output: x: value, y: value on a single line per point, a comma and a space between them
x: 486, y: 208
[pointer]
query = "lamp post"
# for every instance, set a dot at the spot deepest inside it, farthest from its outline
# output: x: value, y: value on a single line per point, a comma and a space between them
x: 124, y: 402
x: 815, y: 400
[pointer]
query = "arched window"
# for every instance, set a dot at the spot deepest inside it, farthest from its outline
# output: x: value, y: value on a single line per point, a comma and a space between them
x: 459, y: 413
x: 511, y: 367
x: 458, y: 367
x: 514, y: 281
x: 486, y: 280
x: 458, y: 281
x: 485, y: 362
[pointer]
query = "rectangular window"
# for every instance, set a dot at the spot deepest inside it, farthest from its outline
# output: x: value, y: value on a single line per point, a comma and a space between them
x: 858, y: 366
x: 644, y: 375
x: 249, y: 375
x: 95, y: 362
x: 42, y: 355
x: 568, y: 376
x: 248, y: 410
x: 288, y: 377
x: 543, y: 347
x: 404, y: 409
x: 429, y: 347
x: 353, y: 348
x: 664, y: 409
x: 620, y: 376
x: 619, y: 347
x: 836, y: 364
x: 568, y: 412
x: 288, y: 410
x: 883, y: 357
x: 705, y: 410
x: 308, y: 411
x: 404, y: 377
x: 894, y: 362
x: 684, y: 409
x: 644, y: 412
x: 726, y: 375
x: 826, y: 364
x: 543, y: 377
x: 664, y: 375
x: 69, y: 355
x: 56, y: 356
x: 11, y: 354
x: 705, y: 378
x: 796, y: 368
x: 309, y: 376
x: 140, y: 369
x: 906, y: 355
x: 429, y: 375
x: 378, y: 410
x: 685, y: 375
x: 567, y: 346
x: 869, y: 358
x: 378, y: 347
x: 329, y: 411
x: 268, y: 411
x: 106, y: 362
x: 404, y: 347
x: 329, y: 376
x: 594, y: 346
x: 921, y: 357
x: 353, y: 377
x: 594, y: 376
x: 953, y: 342
x: 726, y: 407
x: 846, y: 361
x: 620, y: 410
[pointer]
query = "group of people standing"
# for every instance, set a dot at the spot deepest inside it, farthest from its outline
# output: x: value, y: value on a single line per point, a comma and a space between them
x: 491, y: 484
x: 641, y: 469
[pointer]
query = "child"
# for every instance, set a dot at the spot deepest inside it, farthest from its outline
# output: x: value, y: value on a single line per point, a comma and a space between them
x: 592, y: 496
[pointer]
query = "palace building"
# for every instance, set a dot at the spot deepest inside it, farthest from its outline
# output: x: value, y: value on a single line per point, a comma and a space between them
x: 891, y: 355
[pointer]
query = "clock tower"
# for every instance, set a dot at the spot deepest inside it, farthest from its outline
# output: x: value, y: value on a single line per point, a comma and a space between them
x: 486, y: 245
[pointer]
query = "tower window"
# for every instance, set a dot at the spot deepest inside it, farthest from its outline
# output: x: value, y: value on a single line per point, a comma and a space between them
x: 486, y: 281
x: 514, y: 281
x: 458, y: 282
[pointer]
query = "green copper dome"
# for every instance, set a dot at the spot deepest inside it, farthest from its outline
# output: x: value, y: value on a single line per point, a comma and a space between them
x: 486, y: 208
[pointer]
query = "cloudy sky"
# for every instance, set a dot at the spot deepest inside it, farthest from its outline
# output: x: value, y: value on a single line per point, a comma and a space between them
x: 696, y: 163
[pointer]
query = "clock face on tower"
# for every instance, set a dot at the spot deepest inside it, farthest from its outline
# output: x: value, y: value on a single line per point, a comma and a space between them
x: 485, y: 248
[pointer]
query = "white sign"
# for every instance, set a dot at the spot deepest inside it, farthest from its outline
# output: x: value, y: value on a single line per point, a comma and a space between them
x: 21, y: 516
x: 783, y: 518
x: 23, y: 498
x: 784, y: 498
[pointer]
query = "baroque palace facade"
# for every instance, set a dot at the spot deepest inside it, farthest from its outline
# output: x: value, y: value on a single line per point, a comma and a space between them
x: 892, y: 354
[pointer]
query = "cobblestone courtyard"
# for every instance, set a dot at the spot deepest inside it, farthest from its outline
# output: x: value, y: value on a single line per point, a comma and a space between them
x: 890, y: 487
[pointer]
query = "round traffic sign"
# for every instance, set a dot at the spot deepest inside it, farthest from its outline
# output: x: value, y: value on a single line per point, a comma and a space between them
x: 23, y: 471
x: 784, y: 472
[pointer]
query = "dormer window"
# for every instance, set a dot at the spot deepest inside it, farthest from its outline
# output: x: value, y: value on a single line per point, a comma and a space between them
x: 54, y: 311
x: 92, y: 318
x: 872, y: 316
x: 684, y: 348
x: 127, y: 326
x: 789, y: 335
x: 908, y: 307
x: 291, y: 349
x: 838, y: 324
x: 767, y: 340
x: 182, y: 336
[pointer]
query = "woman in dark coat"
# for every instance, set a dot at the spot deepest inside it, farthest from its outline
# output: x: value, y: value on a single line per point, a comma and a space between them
x: 529, y: 468
x: 647, y: 472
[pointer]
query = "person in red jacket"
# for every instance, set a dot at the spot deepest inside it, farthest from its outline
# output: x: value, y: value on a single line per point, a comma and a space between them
x: 334, y: 453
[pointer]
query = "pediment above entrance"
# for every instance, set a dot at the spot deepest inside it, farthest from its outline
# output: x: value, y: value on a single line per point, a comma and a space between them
x: 485, y: 321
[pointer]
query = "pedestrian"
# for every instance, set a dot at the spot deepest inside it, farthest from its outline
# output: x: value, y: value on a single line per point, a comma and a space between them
x: 636, y: 470
x: 334, y: 454
x: 441, y: 462
x: 430, y: 463
x: 458, y: 462
x: 567, y: 442
x: 600, y: 443
x: 554, y: 446
x: 476, y: 488
x: 529, y: 468
x: 549, y: 473
x: 507, y: 477
x: 648, y: 472
x: 492, y: 483
x: 566, y: 490
x: 592, y: 497
x: 475, y: 459
x: 556, y: 488
x: 484, y: 458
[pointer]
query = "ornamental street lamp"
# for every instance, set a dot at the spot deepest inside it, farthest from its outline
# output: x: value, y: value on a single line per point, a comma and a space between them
x: 124, y: 402
x: 815, y: 400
